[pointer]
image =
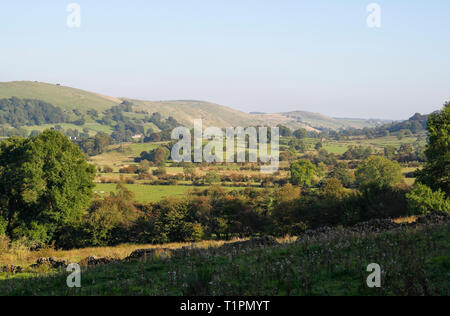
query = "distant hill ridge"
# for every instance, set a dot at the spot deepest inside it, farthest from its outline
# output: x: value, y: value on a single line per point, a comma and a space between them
x: 184, y: 111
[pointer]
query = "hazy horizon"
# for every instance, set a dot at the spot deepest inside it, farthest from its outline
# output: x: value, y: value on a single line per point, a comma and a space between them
x: 253, y: 56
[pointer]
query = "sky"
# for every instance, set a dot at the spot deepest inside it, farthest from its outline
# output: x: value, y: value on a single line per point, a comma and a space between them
x: 252, y: 55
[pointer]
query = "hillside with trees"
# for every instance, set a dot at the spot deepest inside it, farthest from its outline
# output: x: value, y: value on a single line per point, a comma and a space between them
x: 26, y: 112
x: 86, y: 108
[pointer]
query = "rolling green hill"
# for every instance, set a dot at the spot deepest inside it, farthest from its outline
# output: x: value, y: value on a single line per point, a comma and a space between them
x: 64, y: 97
x: 184, y: 111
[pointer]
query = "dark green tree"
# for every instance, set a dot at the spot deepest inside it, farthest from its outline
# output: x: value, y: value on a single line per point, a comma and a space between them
x: 46, y: 184
x: 436, y: 172
x: 301, y: 133
x: 303, y: 173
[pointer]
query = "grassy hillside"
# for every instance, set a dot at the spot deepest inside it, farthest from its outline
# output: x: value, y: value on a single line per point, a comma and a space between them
x: 212, y: 114
x: 414, y: 261
x: 184, y: 111
x: 64, y: 97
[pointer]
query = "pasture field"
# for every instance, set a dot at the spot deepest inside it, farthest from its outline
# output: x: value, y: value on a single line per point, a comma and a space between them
x: 122, y: 155
x: 146, y: 193
x: 340, y: 147
x: 154, y: 193
x: 335, y: 148
x: 93, y: 127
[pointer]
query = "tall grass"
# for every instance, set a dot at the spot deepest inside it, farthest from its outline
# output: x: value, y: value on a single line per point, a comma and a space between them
x: 415, y: 261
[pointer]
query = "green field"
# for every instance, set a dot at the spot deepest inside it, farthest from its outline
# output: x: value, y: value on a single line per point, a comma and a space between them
x: 153, y: 193
x: 122, y: 155
x: 340, y: 147
x: 94, y: 128
x: 335, y: 148
x: 146, y: 193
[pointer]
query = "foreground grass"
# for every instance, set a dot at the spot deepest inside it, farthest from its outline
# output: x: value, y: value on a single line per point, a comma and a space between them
x: 414, y: 261
x: 22, y: 257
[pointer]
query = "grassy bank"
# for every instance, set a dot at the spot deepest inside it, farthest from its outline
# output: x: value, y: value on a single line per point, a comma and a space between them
x: 414, y: 261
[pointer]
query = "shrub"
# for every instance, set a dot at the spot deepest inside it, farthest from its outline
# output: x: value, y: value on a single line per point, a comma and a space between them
x: 161, y: 171
x: 129, y: 170
x: 107, y: 169
x: 196, y: 231
x: 212, y: 177
x: 422, y: 200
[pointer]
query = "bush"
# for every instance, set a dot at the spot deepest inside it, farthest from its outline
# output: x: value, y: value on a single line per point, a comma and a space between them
x: 161, y: 171
x: 129, y: 170
x: 107, y: 169
x: 196, y: 232
x: 422, y: 200
x: 377, y: 172
x: 212, y: 177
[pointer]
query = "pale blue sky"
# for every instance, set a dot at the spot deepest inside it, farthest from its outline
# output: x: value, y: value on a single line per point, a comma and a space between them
x: 253, y: 55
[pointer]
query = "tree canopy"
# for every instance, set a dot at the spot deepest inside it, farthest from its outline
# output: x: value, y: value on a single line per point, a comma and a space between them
x: 46, y: 183
x: 436, y: 172
x: 20, y: 112
x: 303, y: 172
x: 378, y: 172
